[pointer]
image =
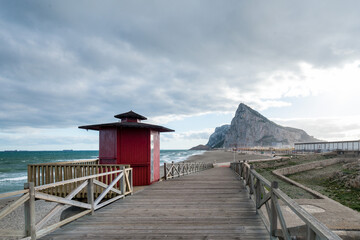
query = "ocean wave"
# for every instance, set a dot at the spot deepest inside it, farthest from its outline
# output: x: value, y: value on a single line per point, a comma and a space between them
x: 68, y: 160
x: 14, y: 179
x: 175, y: 156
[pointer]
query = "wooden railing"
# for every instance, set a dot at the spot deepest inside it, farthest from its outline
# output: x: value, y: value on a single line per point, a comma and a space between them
x: 33, y: 230
x: 268, y: 195
x: 46, y: 173
x: 172, y: 170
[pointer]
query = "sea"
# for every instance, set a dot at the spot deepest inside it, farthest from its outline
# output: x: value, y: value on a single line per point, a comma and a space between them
x: 13, y: 164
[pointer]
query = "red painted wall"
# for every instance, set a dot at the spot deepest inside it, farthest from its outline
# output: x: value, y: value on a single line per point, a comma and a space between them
x: 134, y: 149
x: 132, y: 146
x: 107, y: 146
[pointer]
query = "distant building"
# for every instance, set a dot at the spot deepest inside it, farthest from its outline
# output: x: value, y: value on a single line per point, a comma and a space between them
x: 328, y: 146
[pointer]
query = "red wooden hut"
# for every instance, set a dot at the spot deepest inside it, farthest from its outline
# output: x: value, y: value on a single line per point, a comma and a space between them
x: 129, y: 141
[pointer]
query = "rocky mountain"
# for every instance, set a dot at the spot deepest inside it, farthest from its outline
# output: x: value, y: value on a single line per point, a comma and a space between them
x: 249, y: 128
x: 216, y: 139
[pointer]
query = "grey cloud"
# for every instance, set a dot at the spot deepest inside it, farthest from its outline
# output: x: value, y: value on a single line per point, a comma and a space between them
x: 65, y: 63
x: 325, y: 128
x: 201, y: 135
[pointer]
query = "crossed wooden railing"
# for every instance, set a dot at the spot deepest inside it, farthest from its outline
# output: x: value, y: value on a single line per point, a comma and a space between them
x: 172, y: 170
x: 33, y: 230
x: 267, y: 194
x: 46, y: 173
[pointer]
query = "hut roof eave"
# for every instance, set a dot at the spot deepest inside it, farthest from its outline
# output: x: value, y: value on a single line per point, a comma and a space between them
x: 126, y: 125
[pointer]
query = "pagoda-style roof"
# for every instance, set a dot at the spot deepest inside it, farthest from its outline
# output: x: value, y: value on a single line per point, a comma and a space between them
x: 125, y: 123
x: 130, y: 115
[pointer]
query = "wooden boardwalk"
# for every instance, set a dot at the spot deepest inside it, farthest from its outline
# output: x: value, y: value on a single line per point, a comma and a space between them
x: 211, y: 204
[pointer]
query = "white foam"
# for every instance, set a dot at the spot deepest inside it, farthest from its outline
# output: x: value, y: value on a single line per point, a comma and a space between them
x: 14, y: 179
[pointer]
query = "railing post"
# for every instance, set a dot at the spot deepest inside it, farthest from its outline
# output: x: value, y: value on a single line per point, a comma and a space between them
x: 29, y: 207
x: 273, y: 216
x: 90, y: 194
x: 241, y: 169
x: 165, y: 171
x: 122, y: 181
x: 172, y: 169
x: 258, y: 194
x: 131, y: 181
x: 251, y: 182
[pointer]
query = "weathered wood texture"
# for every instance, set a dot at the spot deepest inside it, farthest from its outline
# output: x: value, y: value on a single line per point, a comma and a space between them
x: 211, y: 204
x: 172, y: 170
x: 258, y: 187
x: 47, y: 173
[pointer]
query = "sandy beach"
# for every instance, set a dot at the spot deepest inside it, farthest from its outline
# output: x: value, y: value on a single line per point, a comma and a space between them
x: 15, y: 220
x: 222, y: 156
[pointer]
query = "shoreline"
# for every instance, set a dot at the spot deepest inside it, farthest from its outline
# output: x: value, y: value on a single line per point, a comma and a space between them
x: 223, y: 156
x: 219, y: 157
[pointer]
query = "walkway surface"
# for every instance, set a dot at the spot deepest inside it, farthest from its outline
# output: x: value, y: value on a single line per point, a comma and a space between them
x: 211, y: 204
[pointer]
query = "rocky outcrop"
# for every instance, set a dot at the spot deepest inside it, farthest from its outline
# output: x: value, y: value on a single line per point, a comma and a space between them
x: 200, y: 147
x: 349, y: 175
x: 216, y: 139
x: 249, y: 128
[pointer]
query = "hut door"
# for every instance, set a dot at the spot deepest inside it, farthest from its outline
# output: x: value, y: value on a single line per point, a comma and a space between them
x: 152, y: 158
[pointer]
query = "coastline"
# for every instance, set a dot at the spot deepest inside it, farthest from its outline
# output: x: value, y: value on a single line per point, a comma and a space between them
x: 219, y: 156
x: 222, y: 156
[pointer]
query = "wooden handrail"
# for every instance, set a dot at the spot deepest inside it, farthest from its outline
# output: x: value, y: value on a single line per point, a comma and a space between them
x: 123, y: 179
x: 263, y: 192
x: 82, y: 161
x: 172, y: 170
x: 43, y: 174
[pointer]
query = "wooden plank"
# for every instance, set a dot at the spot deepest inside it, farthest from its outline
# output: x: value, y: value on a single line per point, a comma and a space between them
x: 14, y: 205
x: 265, y: 199
x: 285, y: 231
x: 209, y: 204
x: 29, y: 208
x: 319, y: 228
x: 108, y: 201
x: 90, y: 194
x: 128, y: 186
x: 51, y: 198
x: 14, y: 193
x: 59, y: 207
x: 102, y: 195
x: 96, y: 182
x: 11, y: 233
x: 71, y: 181
x: 53, y: 227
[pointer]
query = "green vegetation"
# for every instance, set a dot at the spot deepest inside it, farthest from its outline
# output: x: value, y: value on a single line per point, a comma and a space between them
x: 347, y: 196
x: 290, y: 190
x: 331, y: 181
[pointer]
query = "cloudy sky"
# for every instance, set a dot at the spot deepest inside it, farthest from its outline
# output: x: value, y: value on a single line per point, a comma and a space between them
x: 186, y: 65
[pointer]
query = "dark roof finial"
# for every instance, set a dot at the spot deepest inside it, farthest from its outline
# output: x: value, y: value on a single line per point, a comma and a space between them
x: 130, y: 115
